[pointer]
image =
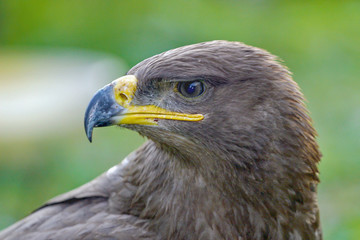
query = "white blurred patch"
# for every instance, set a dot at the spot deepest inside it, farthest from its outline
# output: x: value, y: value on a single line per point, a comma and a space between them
x: 46, y: 92
x: 112, y: 171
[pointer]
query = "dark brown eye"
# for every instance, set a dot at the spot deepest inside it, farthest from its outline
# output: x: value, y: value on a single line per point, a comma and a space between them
x: 191, y: 89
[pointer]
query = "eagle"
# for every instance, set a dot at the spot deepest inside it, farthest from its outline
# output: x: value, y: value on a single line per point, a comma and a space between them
x: 231, y: 153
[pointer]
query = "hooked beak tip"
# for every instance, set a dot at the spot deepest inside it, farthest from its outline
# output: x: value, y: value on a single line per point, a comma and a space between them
x: 89, y: 135
x: 100, y: 110
x: 89, y: 126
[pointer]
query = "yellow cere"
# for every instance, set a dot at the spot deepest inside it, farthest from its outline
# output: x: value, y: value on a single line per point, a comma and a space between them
x: 124, y: 90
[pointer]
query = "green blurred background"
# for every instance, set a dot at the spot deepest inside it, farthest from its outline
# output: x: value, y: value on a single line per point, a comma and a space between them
x: 55, y: 54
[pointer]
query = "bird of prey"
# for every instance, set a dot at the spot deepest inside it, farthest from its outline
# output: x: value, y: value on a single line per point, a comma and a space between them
x: 231, y: 154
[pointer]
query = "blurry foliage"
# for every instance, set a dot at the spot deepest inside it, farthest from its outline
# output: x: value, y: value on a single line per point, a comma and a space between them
x: 318, y: 41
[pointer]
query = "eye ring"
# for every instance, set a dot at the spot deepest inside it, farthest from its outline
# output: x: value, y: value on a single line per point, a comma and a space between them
x: 191, y: 89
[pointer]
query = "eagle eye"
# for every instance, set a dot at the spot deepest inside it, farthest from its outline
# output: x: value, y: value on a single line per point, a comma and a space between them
x: 191, y: 89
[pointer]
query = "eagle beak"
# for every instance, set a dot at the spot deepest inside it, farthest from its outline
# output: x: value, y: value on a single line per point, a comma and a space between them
x: 101, y: 109
x: 112, y: 105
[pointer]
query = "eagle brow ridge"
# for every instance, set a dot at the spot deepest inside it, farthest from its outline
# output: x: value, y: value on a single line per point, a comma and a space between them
x: 213, y: 80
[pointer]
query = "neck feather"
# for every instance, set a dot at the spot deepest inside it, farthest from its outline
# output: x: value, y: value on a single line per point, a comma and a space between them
x: 182, y: 198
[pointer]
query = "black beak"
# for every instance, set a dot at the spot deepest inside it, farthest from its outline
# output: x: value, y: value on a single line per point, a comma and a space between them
x: 101, y: 109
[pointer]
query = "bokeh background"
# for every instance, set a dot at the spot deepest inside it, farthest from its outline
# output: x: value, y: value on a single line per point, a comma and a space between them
x: 55, y: 54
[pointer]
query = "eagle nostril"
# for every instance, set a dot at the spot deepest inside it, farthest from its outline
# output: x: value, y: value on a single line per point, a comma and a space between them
x: 123, y: 97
